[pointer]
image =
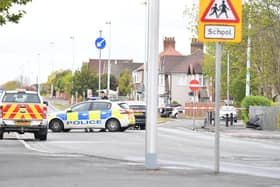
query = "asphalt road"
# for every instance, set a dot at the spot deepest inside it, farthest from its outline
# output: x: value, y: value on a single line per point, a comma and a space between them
x: 23, y: 167
x: 185, y: 158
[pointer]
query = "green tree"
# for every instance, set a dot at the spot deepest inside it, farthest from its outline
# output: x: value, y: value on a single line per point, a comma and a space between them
x: 113, y: 82
x: 125, y: 83
x: 9, y: 11
x: 61, y: 80
x: 265, y: 54
x: 11, y: 85
x: 83, y: 80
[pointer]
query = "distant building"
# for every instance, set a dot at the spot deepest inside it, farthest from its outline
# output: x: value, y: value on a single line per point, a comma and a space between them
x: 175, y: 73
x: 117, y: 66
x: 177, y: 70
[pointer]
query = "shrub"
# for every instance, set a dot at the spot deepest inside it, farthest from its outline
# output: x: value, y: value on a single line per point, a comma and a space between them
x: 252, y: 101
x: 174, y: 103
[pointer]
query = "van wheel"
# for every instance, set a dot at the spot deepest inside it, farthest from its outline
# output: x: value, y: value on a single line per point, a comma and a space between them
x: 113, y: 125
x: 41, y: 134
x: 56, y: 125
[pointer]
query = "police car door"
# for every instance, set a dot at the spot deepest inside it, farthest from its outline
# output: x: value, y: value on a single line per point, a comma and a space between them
x: 78, y: 116
x: 101, y: 111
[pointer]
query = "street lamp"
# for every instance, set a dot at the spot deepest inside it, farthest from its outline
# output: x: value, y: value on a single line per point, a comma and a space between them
x: 52, y: 63
x: 248, y: 63
x: 145, y: 3
x: 73, y: 62
x: 109, y: 59
x: 38, y: 76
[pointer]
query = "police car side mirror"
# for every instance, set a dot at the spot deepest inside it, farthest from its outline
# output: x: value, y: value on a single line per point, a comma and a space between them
x: 46, y: 103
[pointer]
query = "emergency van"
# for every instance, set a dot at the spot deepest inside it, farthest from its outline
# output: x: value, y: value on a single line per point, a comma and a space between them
x: 93, y: 114
x: 23, y: 111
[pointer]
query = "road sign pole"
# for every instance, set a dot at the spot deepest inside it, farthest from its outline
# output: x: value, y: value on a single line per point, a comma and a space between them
x: 193, y: 110
x: 152, y: 89
x: 99, y: 67
x: 217, y: 105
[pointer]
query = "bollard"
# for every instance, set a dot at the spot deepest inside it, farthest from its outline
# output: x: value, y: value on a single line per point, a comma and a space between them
x: 227, y: 119
x: 212, y: 117
x: 231, y: 119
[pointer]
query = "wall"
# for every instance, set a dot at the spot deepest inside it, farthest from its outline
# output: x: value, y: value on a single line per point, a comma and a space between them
x: 269, y: 116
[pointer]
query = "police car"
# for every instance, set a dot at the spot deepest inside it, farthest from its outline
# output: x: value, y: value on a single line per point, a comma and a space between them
x: 23, y: 111
x: 98, y: 114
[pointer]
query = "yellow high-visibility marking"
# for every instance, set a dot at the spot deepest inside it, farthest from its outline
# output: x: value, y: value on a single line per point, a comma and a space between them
x: 117, y: 114
x: 94, y: 115
x: 35, y: 111
x: 72, y: 116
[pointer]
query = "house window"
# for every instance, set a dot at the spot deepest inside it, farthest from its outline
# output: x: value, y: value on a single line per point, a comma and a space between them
x: 161, y: 80
x: 182, y: 80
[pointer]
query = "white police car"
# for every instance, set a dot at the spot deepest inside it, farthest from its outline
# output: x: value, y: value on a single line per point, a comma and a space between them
x: 97, y: 114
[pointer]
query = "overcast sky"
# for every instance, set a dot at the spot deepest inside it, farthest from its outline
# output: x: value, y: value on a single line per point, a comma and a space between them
x: 42, y: 42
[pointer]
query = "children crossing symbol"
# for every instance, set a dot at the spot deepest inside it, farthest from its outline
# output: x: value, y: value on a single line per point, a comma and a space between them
x: 220, y: 11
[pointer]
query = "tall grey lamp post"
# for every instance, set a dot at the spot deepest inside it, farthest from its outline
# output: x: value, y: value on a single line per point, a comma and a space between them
x: 52, y: 63
x: 73, y: 63
x: 38, y: 77
x: 145, y: 3
x: 248, y: 63
x: 109, y: 59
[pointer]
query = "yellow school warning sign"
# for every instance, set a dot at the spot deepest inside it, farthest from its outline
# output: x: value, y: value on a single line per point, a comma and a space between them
x: 220, y: 21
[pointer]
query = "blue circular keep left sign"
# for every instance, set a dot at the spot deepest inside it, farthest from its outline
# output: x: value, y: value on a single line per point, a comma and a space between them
x: 100, y: 43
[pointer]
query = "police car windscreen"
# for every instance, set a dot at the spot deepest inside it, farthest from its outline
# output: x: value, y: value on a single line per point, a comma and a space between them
x: 21, y: 98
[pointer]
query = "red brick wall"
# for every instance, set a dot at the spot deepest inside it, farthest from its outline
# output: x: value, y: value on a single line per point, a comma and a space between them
x: 201, y: 109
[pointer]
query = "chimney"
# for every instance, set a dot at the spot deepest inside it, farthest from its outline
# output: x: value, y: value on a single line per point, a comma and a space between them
x: 169, y: 43
x: 196, y: 45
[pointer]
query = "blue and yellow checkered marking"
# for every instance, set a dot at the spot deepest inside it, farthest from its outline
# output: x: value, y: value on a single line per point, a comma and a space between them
x: 93, y: 117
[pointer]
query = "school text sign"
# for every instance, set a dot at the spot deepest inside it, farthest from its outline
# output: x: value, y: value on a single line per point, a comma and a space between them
x: 220, y: 21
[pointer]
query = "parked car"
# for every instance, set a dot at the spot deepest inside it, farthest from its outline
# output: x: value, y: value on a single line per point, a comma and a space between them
x: 139, y: 109
x: 228, y: 110
x: 171, y: 110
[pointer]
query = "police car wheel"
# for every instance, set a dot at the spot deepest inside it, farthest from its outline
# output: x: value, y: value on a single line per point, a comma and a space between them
x: 1, y: 134
x: 113, y: 125
x: 66, y: 130
x: 56, y: 126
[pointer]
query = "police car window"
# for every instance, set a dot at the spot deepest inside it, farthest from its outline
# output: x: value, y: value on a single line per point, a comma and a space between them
x: 101, y: 106
x: 21, y: 98
x: 124, y: 105
x: 139, y: 107
x: 81, y: 107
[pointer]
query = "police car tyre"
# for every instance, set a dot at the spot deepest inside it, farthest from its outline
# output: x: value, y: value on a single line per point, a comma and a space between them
x: 43, y: 137
x: 142, y: 127
x: 1, y: 135
x: 41, y: 134
x: 113, y: 125
x: 56, y: 125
